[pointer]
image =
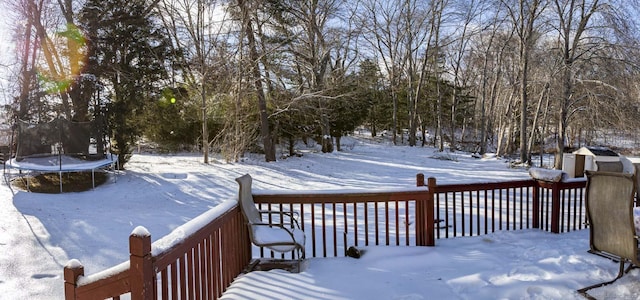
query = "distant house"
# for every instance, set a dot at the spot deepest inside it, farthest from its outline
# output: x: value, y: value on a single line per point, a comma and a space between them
x: 591, y: 158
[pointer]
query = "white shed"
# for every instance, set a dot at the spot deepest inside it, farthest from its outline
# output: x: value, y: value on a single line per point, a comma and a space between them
x: 591, y: 158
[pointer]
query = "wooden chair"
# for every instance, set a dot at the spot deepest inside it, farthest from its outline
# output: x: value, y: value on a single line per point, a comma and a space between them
x: 283, y: 235
x: 612, y: 234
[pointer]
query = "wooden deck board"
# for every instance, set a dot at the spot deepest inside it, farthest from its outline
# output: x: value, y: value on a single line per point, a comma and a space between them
x: 268, y: 264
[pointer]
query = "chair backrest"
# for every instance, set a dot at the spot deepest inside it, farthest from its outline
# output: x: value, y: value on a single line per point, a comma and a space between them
x: 609, y: 166
x: 245, y: 200
x: 610, y: 212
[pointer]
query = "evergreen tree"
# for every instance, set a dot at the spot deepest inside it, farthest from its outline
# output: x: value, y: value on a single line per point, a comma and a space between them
x: 371, y: 80
x: 127, y: 52
x: 176, y: 125
x: 348, y: 109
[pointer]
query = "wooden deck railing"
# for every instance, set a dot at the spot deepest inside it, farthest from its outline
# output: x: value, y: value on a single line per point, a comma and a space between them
x: 561, y: 205
x: 481, y: 208
x: 203, y: 265
x: 334, y: 220
x: 200, y: 266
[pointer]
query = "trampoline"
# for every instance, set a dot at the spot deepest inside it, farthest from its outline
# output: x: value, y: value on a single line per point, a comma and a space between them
x: 60, y: 146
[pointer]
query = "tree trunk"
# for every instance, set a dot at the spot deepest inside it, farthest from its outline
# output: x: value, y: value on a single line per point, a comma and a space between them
x: 571, y: 37
x: 394, y: 126
x: 265, y: 133
x: 205, y: 131
x: 524, y: 156
x: 535, y: 118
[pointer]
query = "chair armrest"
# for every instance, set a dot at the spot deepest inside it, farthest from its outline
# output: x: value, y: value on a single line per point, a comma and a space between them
x: 293, y: 216
x: 283, y: 225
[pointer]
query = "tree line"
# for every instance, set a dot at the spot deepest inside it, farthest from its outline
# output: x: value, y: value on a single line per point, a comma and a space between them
x: 514, y: 77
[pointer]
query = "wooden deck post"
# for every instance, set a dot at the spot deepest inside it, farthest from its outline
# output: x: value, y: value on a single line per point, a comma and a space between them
x: 425, y: 233
x: 555, y: 207
x: 72, y: 271
x: 430, y: 217
x: 141, y: 273
x: 420, y: 179
x: 421, y: 223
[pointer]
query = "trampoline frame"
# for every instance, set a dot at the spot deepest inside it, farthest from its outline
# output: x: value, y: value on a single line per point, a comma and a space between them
x: 110, y: 160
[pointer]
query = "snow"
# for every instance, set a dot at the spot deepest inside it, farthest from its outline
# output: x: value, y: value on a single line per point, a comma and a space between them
x: 73, y: 264
x: 171, y: 195
x: 507, y: 265
x: 93, y: 277
x: 140, y: 231
x: 60, y: 163
x: 179, y: 234
x: 546, y: 174
x: 272, y: 235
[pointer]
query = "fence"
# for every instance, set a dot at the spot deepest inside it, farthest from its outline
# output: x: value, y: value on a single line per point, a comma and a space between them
x: 481, y: 208
x: 333, y: 221
x: 205, y: 263
x: 200, y: 266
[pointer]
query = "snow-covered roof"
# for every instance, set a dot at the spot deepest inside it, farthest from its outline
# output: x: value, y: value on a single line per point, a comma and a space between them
x: 596, y: 151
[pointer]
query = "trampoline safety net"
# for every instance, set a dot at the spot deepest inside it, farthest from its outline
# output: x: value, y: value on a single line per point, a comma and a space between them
x: 83, y: 140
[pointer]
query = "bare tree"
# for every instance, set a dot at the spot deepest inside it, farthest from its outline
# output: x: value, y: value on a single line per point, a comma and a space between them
x: 577, y: 44
x: 436, y: 10
x: 418, y: 35
x: 247, y: 27
x: 196, y: 28
x: 27, y: 61
x: 313, y: 44
x: 61, y: 54
x: 39, y: 51
x: 384, y: 30
x: 524, y: 15
x: 467, y: 15
x: 491, y: 49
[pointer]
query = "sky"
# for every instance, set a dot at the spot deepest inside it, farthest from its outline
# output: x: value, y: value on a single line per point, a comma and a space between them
x: 6, y: 48
x: 40, y: 233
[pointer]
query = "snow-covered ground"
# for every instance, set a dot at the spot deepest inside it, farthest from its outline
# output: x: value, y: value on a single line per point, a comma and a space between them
x: 40, y: 233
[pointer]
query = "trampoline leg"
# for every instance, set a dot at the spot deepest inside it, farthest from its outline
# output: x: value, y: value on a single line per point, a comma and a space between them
x: 60, y: 178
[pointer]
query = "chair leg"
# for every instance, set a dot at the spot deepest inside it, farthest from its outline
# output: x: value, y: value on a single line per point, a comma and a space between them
x: 301, y: 261
x: 631, y: 267
x: 621, y: 272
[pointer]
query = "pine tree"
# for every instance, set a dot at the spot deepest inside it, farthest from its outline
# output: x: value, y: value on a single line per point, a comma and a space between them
x: 127, y: 52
